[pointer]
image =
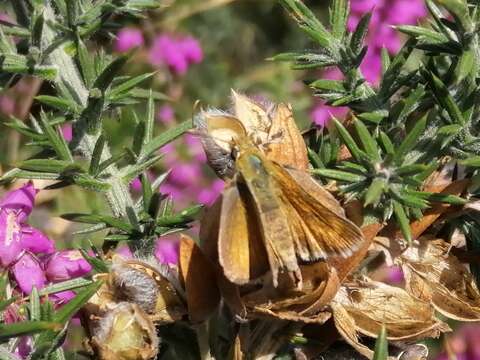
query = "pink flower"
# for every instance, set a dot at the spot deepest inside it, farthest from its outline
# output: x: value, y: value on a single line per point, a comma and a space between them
x: 191, y: 49
x: 385, y: 13
x: 20, y: 201
x: 166, y: 114
x: 28, y: 273
x: 209, y: 195
x: 175, y: 52
x: 124, y: 251
x: 395, y: 275
x: 165, y: 50
x: 322, y: 114
x: 128, y: 38
x: 10, y: 238
x: 24, y: 347
x: 35, y: 241
x: 172, y: 190
x: 67, y: 132
x: 166, y: 251
x: 185, y: 174
x: 195, y: 147
x: 65, y: 265
x: 62, y: 297
x: 464, y: 343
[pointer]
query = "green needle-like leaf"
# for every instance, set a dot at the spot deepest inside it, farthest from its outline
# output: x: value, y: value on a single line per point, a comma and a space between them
x: 374, y: 192
x: 411, y: 140
x: 358, y: 154
x: 368, y: 142
x: 381, y: 345
x: 402, y: 220
x: 338, y: 175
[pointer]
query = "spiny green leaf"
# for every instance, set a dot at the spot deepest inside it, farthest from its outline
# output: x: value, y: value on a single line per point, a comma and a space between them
x: 8, y: 331
x: 96, y: 218
x: 438, y: 197
x: 97, y: 156
x: 338, y: 18
x: 133, y: 171
x: 65, y: 285
x: 98, y: 265
x: 367, y: 140
x: 56, y: 140
x: 349, y: 142
x: 157, y: 142
x: 69, y: 309
x: 411, y: 140
x: 443, y: 97
x: 473, y: 161
x: 338, y: 175
x: 360, y: 33
x: 58, y: 103
x: 402, y: 220
x: 128, y: 85
x: 375, y: 191
x: 104, y: 80
x: 35, y: 312
x: 181, y: 218
x: 381, y: 345
x: 308, y: 22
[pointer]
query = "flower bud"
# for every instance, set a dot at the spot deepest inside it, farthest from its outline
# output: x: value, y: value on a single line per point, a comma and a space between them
x: 125, y: 333
x: 65, y: 265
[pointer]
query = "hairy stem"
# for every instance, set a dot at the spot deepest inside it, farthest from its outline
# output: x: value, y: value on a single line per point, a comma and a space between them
x: 118, y: 197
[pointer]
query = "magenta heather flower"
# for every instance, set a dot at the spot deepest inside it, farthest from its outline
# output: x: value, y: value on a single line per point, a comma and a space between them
x: 128, y: 38
x: 166, y: 114
x: 191, y: 50
x: 322, y: 114
x: 176, y: 52
x: 185, y: 174
x: 166, y: 250
x: 10, y: 238
x: 67, y: 132
x: 208, y: 196
x: 20, y: 201
x: 28, y: 273
x: 62, y: 297
x: 35, y: 241
x: 65, y: 265
x: 385, y: 13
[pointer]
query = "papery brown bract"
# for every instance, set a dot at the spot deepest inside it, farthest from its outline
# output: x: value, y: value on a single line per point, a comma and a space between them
x: 434, y: 274
x: 199, y: 280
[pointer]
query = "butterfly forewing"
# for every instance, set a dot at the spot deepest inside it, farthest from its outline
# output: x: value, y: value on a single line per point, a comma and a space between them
x: 240, y: 246
x: 321, y: 230
x: 273, y: 217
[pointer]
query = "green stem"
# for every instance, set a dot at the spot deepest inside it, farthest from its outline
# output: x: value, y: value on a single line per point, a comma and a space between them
x: 118, y: 197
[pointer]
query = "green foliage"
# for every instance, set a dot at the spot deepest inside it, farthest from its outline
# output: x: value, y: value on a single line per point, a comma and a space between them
x: 417, y: 117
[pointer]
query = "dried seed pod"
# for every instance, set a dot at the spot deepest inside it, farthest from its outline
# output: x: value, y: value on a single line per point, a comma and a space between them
x: 140, y: 283
x: 363, y: 306
x: 435, y: 275
x: 125, y: 333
